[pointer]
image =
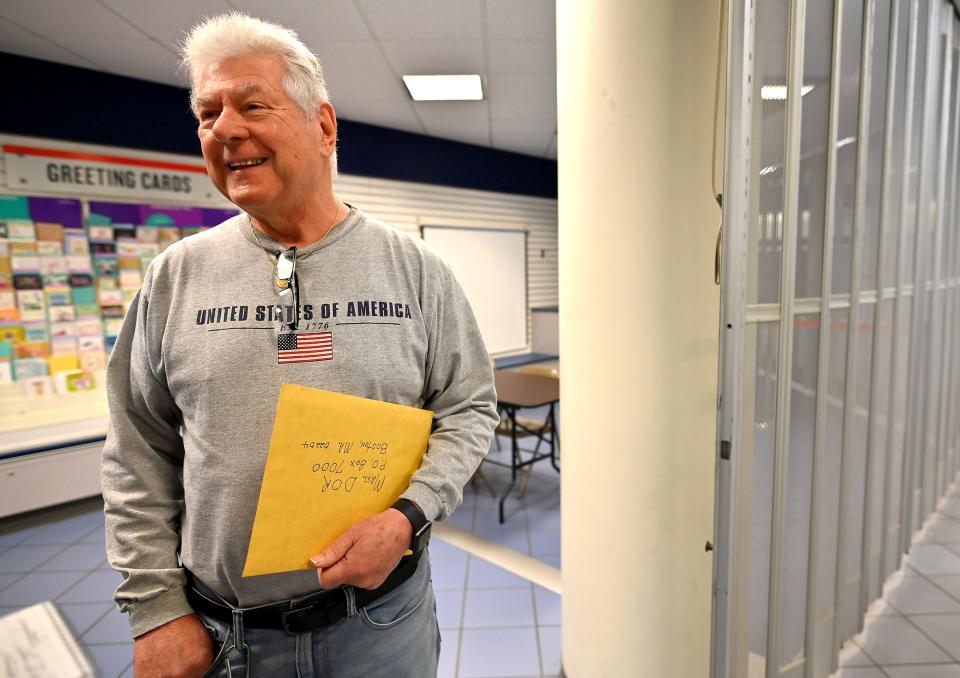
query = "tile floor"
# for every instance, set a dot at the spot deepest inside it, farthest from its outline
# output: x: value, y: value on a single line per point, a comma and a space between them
x: 58, y: 554
x: 914, y: 632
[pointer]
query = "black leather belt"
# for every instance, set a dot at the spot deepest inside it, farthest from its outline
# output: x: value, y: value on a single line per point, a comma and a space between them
x: 305, y: 614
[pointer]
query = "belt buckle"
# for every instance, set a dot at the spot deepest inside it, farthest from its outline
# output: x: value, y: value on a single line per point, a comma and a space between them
x: 311, y: 616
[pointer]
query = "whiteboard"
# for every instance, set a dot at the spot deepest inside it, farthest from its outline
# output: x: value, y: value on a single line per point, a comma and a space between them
x: 491, y: 266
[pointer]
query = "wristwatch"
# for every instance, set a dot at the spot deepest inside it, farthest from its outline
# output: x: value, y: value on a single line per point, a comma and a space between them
x: 421, y: 526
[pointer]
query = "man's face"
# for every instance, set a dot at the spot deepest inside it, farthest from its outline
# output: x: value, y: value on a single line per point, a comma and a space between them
x: 261, y: 151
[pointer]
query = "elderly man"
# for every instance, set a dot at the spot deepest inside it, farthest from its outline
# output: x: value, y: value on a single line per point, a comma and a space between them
x: 193, y: 393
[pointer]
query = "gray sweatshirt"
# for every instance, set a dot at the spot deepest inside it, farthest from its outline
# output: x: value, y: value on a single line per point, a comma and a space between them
x: 194, y: 378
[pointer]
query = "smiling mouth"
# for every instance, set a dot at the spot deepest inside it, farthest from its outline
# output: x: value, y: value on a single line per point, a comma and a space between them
x: 243, y: 164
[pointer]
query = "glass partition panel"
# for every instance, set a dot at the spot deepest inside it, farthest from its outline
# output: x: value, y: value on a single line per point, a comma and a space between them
x: 769, y: 115
x: 796, y: 538
x: 846, y: 142
x: 761, y: 341
x: 814, y: 143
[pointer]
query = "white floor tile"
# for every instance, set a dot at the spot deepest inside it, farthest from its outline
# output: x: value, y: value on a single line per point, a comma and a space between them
x: 944, y: 530
x: 859, y: 672
x: 934, y: 559
x: 916, y: 595
x: 949, y: 583
x: 852, y: 655
x: 924, y: 671
x: 944, y: 629
x: 894, y: 640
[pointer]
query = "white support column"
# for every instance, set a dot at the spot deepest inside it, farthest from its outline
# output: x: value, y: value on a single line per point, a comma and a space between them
x: 638, y: 334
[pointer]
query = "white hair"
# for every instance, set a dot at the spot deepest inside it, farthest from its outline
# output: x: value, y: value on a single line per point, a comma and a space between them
x: 237, y: 34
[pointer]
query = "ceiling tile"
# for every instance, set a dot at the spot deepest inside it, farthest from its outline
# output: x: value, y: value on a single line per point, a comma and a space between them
x: 315, y: 21
x: 442, y: 57
x: 57, y: 20
x: 16, y: 41
x: 521, y: 20
x: 170, y: 20
x: 423, y: 19
x: 142, y: 59
x: 357, y: 70
x: 460, y: 120
x: 532, y: 137
x: 385, y: 114
x: 9, y: 31
x: 523, y: 97
x: 522, y: 57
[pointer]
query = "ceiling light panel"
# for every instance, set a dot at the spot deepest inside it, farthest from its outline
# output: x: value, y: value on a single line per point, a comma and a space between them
x: 779, y: 92
x: 444, y: 87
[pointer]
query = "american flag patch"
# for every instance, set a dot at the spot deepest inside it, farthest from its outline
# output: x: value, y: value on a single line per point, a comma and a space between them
x: 307, y: 347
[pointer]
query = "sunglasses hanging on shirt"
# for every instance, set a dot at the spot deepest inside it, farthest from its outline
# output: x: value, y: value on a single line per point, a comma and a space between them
x: 286, y: 281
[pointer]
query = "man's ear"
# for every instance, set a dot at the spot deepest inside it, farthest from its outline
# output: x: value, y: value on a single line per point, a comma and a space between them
x: 328, y: 125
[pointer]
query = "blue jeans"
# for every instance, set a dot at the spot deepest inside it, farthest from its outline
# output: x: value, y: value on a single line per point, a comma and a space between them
x: 396, y: 636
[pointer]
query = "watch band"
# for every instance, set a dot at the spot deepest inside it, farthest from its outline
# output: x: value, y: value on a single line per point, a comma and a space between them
x: 421, y: 526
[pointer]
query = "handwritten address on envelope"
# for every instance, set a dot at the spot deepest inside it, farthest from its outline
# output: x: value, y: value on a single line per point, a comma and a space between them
x: 334, y: 459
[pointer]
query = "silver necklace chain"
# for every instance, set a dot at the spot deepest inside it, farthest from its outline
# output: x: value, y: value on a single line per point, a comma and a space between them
x: 272, y: 259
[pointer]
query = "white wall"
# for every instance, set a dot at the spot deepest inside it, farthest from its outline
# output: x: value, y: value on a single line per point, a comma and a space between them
x: 638, y: 334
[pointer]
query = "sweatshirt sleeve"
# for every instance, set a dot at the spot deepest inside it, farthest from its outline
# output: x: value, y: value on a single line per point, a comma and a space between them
x: 459, y: 390
x: 141, y: 474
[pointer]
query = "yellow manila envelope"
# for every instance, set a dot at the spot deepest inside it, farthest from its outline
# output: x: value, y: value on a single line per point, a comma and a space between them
x: 334, y: 459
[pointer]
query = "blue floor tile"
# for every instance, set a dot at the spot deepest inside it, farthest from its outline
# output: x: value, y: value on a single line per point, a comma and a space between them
x: 549, y: 606
x: 111, y: 660
x: 488, y: 520
x: 7, y: 579
x: 449, y: 608
x: 81, y: 616
x: 551, y: 643
x: 498, y: 608
x: 462, y: 517
x: 488, y: 575
x: 27, y: 558
x: 96, y: 535
x: 543, y: 519
x: 449, y: 573
x: 76, y: 557
x: 37, y: 587
x: 449, y: 645
x: 498, y: 652
x: 97, y: 587
x: 65, y: 531
x: 114, y: 627
x: 544, y: 542
x: 11, y: 538
x: 441, y: 549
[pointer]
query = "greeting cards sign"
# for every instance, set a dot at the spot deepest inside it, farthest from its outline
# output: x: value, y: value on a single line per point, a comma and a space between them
x: 80, y: 173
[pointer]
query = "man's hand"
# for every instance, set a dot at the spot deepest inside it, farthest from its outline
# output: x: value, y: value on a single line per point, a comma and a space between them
x: 181, y: 648
x: 366, y: 553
